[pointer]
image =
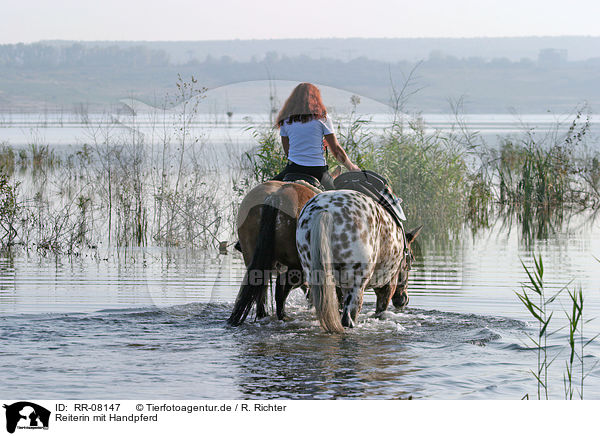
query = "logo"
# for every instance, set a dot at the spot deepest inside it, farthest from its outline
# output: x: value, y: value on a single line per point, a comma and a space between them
x: 26, y: 415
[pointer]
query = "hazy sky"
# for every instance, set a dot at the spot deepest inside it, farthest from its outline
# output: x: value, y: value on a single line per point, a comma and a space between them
x: 34, y: 20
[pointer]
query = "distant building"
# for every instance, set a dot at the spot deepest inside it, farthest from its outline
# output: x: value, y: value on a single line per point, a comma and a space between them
x: 550, y: 57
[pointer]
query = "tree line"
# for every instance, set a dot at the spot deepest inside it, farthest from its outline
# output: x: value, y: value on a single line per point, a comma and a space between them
x: 71, y: 73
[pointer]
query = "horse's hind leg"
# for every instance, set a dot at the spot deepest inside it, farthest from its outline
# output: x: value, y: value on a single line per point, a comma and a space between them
x: 347, y: 320
x: 261, y: 303
x: 283, y: 286
x: 352, y: 303
x: 353, y: 281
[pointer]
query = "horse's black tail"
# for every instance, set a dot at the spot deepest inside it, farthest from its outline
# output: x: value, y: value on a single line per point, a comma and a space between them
x: 258, y: 273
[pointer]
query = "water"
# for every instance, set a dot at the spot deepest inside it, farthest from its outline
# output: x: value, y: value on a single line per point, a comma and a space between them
x: 61, y: 131
x: 150, y: 323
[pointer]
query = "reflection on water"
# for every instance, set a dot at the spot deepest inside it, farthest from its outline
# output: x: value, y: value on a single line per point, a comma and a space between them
x: 151, y: 323
x: 62, y: 130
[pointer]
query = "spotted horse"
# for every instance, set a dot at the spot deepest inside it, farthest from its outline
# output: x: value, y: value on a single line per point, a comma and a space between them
x: 348, y: 242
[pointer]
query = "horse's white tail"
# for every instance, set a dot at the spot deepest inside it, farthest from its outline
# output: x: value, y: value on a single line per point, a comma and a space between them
x: 322, y: 286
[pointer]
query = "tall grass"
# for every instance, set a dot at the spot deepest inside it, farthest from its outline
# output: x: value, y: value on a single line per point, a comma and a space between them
x: 452, y: 179
x: 534, y: 298
x: 267, y: 159
x: 429, y: 171
x: 123, y: 187
x: 541, y: 180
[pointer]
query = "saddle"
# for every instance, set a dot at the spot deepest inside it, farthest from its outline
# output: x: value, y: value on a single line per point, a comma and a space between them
x: 311, y: 180
x: 375, y: 186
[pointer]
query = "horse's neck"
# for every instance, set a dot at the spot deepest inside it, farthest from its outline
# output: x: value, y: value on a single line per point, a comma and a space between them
x: 399, y: 233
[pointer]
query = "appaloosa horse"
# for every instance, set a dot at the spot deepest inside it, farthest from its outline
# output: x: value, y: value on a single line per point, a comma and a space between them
x: 267, y: 234
x: 347, y: 243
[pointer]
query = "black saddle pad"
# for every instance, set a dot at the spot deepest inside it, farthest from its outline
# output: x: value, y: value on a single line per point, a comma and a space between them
x: 294, y: 177
x: 375, y: 186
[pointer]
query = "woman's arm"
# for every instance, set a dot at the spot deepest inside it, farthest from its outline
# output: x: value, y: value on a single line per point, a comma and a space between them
x: 339, y: 153
x: 285, y: 142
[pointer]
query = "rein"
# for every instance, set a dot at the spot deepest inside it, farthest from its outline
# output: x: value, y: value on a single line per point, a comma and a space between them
x: 408, y: 255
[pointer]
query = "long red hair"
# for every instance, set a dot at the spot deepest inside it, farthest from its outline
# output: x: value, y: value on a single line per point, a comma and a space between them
x: 303, y: 104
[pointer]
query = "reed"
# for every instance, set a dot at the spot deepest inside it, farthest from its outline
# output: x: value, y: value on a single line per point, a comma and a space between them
x: 541, y: 180
x: 429, y: 171
x: 9, y: 208
x: 534, y: 298
x: 7, y: 159
x: 122, y: 187
x: 267, y: 159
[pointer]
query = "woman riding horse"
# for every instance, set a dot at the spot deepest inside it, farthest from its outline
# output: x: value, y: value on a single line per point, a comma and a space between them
x: 306, y: 130
x: 268, y: 214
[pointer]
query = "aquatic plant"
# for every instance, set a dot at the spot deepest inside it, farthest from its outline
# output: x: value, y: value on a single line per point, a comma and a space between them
x: 541, y: 313
x: 541, y: 180
x: 267, y: 159
x: 122, y: 187
x: 7, y: 159
x: 429, y: 172
x: 9, y: 209
x: 540, y: 310
x: 355, y: 137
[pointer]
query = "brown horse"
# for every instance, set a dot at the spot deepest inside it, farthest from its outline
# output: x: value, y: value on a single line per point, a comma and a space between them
x: 266, y: 225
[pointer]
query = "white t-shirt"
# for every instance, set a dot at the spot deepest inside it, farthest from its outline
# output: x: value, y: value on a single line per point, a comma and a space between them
x: 306, y: 140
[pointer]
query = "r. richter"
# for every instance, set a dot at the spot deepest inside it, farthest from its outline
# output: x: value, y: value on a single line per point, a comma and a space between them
x: 269, y: 408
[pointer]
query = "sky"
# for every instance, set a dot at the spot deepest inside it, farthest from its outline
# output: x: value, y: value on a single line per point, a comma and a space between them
x: 171, y: 20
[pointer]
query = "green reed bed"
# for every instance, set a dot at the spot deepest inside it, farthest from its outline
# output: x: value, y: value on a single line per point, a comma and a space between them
x: 452, y: 180
x: 123, y: 187
x: 428, y: 170
x: 540, y: 180
x: 161, y: 188
x: 540, y: 305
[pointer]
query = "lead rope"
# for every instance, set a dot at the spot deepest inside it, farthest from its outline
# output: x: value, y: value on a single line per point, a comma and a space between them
x: 407, y: 253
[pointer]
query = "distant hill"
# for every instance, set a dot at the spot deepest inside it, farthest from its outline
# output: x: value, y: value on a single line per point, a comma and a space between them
x: 66, y: 74
x: 382, y: 49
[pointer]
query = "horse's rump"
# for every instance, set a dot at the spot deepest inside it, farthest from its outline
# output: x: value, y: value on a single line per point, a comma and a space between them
x: 266, y: 230
x: 351, y: 234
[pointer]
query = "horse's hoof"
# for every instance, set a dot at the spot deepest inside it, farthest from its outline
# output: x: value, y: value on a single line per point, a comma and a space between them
x: 347, y: 321
x: 261, y: 314
x: 400, y: 301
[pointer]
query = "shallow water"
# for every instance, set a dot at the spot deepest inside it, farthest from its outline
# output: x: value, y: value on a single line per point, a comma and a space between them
x: 65, y: 131
x: 151, y: 324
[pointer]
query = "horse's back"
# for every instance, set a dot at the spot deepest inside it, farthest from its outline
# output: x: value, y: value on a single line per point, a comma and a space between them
x: 256, y: 198
x: 288, y: 198
x: 351, y: 232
